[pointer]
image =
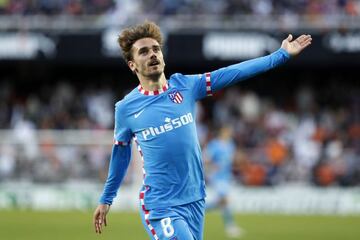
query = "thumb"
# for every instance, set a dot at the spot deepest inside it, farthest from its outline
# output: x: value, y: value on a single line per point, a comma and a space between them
x: 289, y: 38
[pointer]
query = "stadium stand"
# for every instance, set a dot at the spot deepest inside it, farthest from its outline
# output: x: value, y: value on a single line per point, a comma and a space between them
x: 307, y: 132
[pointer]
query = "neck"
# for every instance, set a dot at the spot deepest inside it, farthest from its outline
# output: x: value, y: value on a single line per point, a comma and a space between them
x: 151, y: 84
x: 224, y: 138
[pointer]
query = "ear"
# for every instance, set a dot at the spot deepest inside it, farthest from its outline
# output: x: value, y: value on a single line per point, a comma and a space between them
x: 132, y: 66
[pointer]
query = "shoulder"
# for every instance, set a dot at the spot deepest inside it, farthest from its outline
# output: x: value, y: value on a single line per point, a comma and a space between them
x: 181, y: 79
x: 124, y: 103
x: 180, y: 76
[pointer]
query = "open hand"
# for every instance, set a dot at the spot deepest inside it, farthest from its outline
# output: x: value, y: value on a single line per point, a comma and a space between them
x: 296, y: 46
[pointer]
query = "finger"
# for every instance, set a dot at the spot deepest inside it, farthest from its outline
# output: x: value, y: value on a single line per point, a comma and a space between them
x: 302, y: 47
x: 105, y: 221
x: 299, y: 38
x: 306, y: 42
x: 101, y: 220
x: 95, y: 222
x: 299, y: 41
x: 96, y: 227
x: 289, y: 38
x: 303, y: 38
x: 99, y: 227
x: 99, y: 230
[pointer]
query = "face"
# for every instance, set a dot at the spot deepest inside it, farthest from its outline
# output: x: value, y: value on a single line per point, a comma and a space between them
x: 148, y: 60
x: 226, y: 132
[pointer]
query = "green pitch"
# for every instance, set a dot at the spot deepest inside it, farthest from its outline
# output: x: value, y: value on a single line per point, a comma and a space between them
x: 29, y: 225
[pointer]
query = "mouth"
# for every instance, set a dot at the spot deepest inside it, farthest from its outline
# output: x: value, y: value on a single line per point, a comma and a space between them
x: 154, y: 63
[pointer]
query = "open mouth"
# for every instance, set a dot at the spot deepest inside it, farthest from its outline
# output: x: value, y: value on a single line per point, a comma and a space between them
x: 154, y: 63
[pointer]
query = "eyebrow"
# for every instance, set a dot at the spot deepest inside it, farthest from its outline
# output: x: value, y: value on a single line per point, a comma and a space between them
x: 143, y: 48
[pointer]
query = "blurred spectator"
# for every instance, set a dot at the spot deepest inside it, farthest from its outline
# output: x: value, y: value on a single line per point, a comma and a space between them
x: 7, y: 162
x: 99, y: 107
x: 306, y: 150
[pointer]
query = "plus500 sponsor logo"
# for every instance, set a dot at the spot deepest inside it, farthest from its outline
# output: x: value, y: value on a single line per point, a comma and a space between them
x: 170, y: 124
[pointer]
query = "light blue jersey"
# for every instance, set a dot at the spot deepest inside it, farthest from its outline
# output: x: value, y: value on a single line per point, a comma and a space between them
x: 163, y: 125
x: 164, y: 129
x: 221, y: 154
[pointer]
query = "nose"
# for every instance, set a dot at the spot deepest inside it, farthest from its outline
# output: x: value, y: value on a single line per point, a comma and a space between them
x: 153, y: 56
x: 152, y: 52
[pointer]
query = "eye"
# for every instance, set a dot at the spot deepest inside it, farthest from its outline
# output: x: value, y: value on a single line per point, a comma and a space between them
x: 143, y: 51
x: 156, y: 49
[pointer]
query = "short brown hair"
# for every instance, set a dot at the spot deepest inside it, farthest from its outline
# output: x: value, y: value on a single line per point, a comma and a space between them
x: 130, y: 35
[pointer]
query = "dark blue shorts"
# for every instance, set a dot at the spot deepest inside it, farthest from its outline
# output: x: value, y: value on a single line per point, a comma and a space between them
x: 184, y: 222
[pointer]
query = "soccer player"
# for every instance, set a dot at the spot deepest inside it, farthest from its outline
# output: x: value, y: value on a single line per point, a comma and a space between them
x: 219, y: 154
x: 159, y: 116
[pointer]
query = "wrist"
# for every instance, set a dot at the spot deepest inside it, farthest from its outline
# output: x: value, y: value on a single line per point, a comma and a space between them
x: 284, y: 52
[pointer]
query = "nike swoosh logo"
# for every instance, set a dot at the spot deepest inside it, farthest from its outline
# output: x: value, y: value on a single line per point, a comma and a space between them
x: 138, y: 114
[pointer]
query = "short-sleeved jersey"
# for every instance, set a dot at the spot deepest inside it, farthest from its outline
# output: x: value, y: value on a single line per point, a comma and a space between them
x: 163, y: 125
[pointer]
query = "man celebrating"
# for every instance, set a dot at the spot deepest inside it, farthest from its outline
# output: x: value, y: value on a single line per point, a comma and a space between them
x: 159, y: 116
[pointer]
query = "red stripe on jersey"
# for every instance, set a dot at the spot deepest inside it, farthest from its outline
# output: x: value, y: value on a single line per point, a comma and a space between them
x: 142, y: 197
x: 146, y: 214
x: 151, y: 93
x: 208, y: 84
x: 120, y: 143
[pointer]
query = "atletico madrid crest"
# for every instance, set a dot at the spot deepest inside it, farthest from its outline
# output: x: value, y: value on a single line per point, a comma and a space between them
x: 176, y: 97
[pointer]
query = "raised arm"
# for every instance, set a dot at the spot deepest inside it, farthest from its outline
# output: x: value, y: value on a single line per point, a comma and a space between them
x: 232, y: 74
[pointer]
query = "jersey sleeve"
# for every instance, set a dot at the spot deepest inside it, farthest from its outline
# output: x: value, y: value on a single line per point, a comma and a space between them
x: 120, y: 157
x: 119, y: 163
x: 122, y: 133
x: 211, y: 82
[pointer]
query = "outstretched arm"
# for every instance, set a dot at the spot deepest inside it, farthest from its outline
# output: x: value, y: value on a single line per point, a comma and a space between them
x: 120, y: 159
x: 232, y: 74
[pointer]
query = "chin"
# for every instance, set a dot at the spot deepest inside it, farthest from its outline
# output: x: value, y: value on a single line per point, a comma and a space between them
x: 155, y: 75
x: 156, y: 72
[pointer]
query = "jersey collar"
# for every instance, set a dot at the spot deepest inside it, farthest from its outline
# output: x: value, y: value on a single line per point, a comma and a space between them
x: 153, y: 93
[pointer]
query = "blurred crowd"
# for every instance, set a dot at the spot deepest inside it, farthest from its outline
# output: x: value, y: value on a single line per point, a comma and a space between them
x: 55, y: 7
x: 180, y: 7
x: 303, y: 142
x: 65, y: 106
x: 253, y: 7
